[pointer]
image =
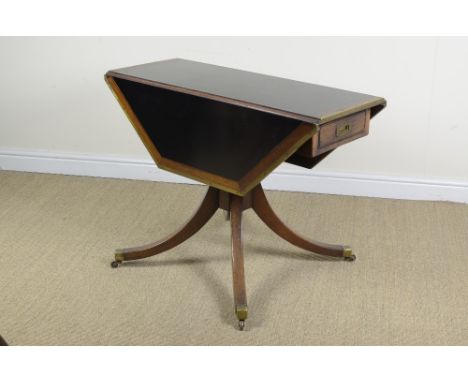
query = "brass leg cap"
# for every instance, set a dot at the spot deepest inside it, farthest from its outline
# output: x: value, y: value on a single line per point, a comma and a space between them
x: 119, y: 256
x: 241, y: 312
x: 348, y: 254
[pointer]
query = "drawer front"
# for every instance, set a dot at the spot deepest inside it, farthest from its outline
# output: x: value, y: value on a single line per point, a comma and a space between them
x: 343, y: 130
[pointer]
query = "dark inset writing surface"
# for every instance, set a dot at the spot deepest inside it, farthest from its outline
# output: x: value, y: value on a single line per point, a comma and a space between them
x: 294, y: 99
x: 216, y: 137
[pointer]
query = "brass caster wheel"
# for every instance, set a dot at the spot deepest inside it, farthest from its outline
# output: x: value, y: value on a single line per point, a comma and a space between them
x: 241, y: 325
x: 350, y: 258
x: 115, y: 264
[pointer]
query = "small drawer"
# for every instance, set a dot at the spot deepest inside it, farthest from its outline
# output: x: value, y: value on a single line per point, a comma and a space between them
x: 343, y: 130
x: 330, y: 136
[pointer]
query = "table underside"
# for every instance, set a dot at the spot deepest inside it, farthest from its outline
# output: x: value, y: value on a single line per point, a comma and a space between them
x: 227, y: 146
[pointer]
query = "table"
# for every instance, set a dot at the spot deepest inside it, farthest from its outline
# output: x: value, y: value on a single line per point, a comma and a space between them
x: 229, y: 129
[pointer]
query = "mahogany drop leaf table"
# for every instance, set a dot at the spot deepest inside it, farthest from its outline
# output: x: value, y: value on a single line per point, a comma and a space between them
x: 229, y: 129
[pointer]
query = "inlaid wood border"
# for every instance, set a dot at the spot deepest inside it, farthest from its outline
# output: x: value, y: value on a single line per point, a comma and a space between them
x: 374, y: 103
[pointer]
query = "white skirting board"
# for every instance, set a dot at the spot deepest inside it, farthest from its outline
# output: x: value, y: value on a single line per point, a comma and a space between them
x: 287, y: 178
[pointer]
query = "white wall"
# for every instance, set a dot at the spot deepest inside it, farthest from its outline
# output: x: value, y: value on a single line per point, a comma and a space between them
x: 53, y: 99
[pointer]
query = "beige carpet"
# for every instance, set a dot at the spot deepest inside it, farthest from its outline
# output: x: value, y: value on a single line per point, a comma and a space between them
x: 409, y: 285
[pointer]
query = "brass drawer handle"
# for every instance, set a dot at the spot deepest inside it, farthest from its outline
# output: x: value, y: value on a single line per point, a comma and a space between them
x: 342, y: 130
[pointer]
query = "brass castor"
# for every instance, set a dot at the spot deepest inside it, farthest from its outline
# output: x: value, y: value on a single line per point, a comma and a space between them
x: 348, y: 254
x: 115, y: 264
x: 241, y: 325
